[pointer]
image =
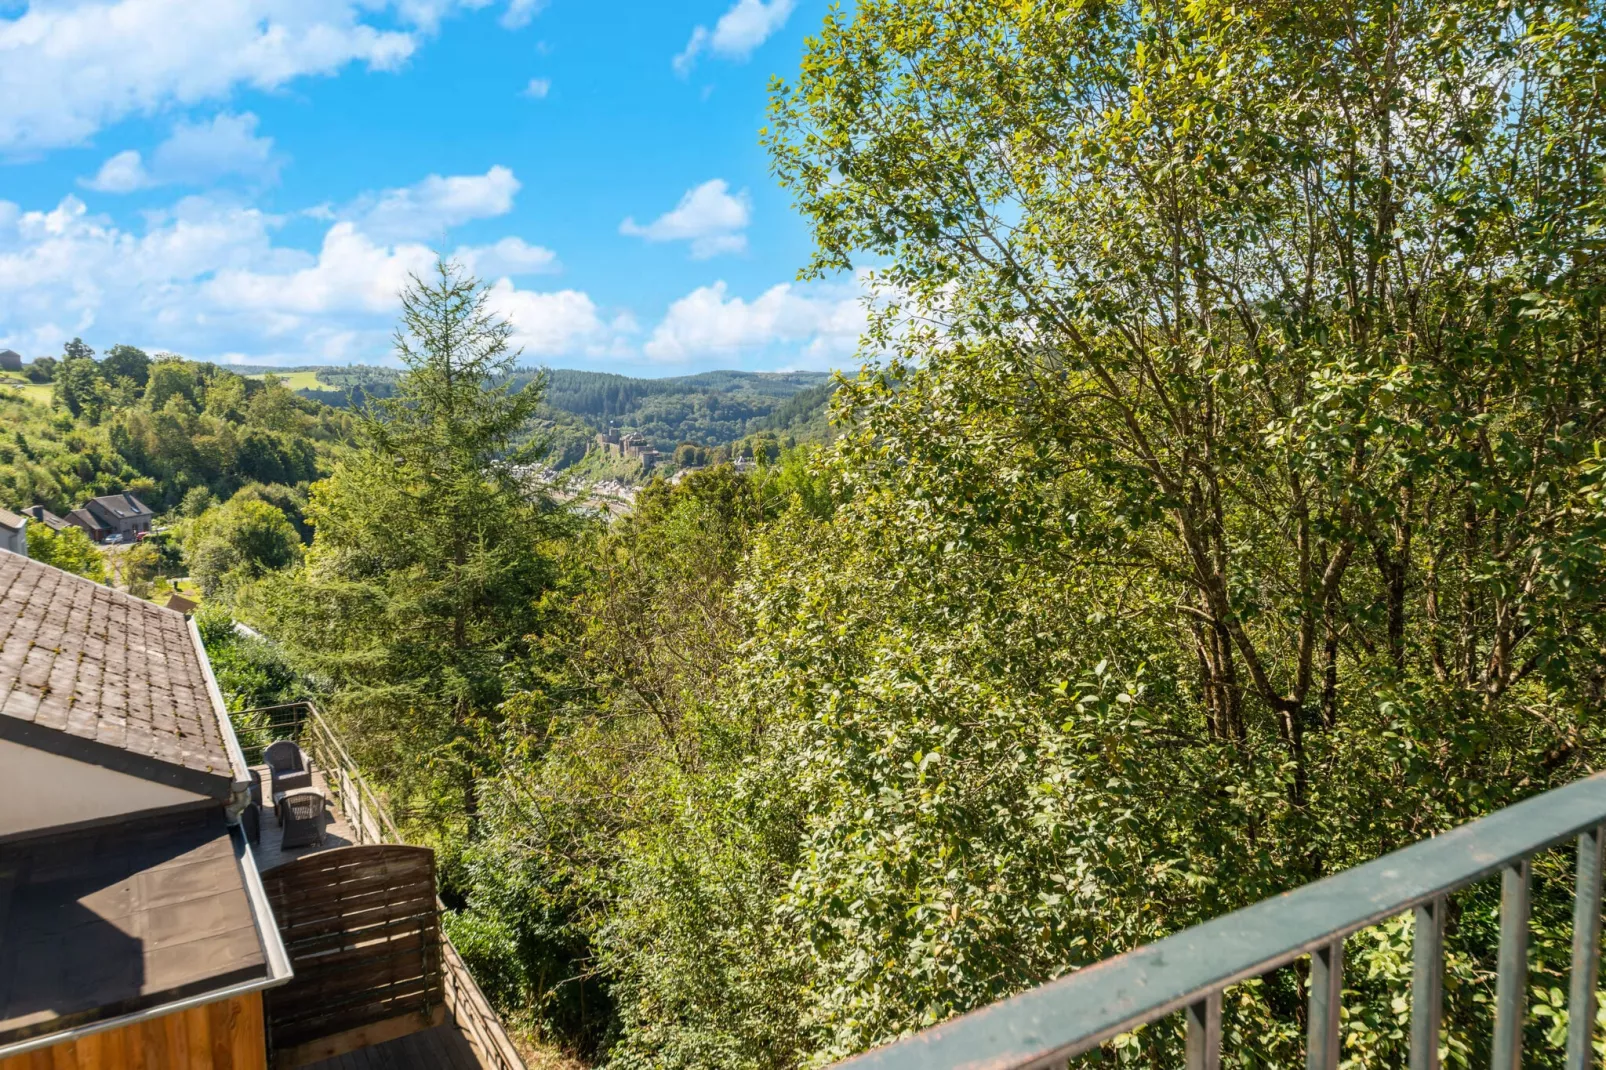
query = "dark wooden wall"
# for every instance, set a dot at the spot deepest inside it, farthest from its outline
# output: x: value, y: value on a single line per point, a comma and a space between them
x: 363, y: 935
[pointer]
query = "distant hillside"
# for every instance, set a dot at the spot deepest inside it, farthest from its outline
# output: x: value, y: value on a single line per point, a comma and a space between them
x: 710, y: 409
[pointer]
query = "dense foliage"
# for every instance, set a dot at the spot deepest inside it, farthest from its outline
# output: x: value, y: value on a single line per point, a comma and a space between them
x: 69, y: 550
x: 1223, y: 506
x: 159, y: 428
x: 706, y: 411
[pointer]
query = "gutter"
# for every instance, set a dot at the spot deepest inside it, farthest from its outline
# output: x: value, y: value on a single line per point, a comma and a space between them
x: 240, y: 791
x: 273, y: 952
x: 67, y: 1036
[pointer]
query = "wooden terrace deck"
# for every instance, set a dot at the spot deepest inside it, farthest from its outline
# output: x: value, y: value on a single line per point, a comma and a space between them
x: 270, y: 852
x: 441, y: 1048
x: 444, y: 1047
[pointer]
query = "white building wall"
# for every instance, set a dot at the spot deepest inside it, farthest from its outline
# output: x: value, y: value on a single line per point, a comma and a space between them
x: 40, y: 790
x: 15, y: 541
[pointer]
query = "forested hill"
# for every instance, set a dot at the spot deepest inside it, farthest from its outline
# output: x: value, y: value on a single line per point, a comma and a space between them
x: 709, y: 409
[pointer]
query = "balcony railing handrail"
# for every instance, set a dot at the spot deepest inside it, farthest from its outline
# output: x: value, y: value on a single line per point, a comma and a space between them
x: 468, y: 1003
x: 1047, y: 1025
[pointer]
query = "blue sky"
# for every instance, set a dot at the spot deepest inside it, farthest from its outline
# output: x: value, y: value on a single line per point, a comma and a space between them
x: 251, y: 180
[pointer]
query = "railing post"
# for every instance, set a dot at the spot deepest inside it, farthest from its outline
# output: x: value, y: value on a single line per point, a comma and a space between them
x: 1204, y: 1033
x: 1427, y: 984
x: 1586, y: 953
x: 1326, y: 997
x: 1512, y: 984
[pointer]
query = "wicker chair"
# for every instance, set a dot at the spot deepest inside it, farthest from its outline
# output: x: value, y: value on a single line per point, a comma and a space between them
x: 303, y: 817
x: 251, y: 822
x: 288, y: 766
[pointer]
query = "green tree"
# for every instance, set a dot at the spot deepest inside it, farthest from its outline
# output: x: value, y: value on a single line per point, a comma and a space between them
x: 69, y: 549
x: 169, y: 378
x: 79, y: 387
x: 41, y: 369
x: 197, y: 500
x: 144, y: 563
x: 427, y: 560
x: 242, y: 540
x: 126, y: 362
x: 1232, y: 470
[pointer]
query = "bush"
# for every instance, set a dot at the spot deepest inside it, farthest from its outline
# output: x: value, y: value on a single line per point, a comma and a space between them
x: 69, y: 549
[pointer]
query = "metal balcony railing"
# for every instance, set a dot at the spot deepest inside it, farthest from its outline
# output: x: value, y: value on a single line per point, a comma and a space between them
x: 1186, y: 973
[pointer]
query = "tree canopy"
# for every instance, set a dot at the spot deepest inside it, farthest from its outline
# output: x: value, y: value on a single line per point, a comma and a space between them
x: 427, y: 564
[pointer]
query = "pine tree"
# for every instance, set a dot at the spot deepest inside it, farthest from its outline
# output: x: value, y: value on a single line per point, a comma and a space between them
x: 427, y: 559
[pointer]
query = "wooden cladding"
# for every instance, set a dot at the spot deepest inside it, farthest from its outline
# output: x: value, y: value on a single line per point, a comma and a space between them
x: 226, y: 1035
x: 363, y: 935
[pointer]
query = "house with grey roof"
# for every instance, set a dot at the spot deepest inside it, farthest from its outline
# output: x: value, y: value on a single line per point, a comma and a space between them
x: 149, y: 916
x: 119, y: 514
x: 40, y: 515
x: 89, y: 523
x: 10, y: 360
x: 126, y: 890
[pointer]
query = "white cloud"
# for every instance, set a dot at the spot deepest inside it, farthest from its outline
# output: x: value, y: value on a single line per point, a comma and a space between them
x: 194, y: 153
x: 208, y: 279
x: 519, y: 13
x: 352, y: 273
x: 510, y: 256
x: 563, y: 323
x: 432, y: 206
x: 65, y: 271
x: 826, y: 323
x: 122, y: 173
x: 204, y: 152
x: 709, y: 217
x: 748, y: 24
x: 686, y: 59
x: 538, y: 88
x: 68, y: 68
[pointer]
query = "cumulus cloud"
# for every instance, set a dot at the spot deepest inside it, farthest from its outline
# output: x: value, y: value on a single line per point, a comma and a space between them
x: 104, y: 60
x: 207, y: 278
x: 708, y: 216
x: 538, y: 88
x: 510, y: 256
x: 67, y: 270
x: 194, y: 153
x: 566, y: 322
x: 748, y: 24
x: 122, y: 173
x: 204, y: 152
x: 824, y: 323
x: 352, y: 273
x: 428, y: 208
x: 212, y: 278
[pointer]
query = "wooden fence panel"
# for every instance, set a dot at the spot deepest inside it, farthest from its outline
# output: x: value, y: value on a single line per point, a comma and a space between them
x: 363, y: 935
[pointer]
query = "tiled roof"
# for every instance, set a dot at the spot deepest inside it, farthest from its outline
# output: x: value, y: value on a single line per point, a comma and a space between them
x: 45, y: 517
x: 11, y: 520
x: 121, y: 506
x: 101, y: 676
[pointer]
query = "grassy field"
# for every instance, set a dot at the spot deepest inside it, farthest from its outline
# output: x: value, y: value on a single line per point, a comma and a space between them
x: 38, y: 393
x: 302, y: 380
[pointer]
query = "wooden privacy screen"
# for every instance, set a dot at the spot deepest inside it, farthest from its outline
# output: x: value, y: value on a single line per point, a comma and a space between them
x: 361, y: 928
